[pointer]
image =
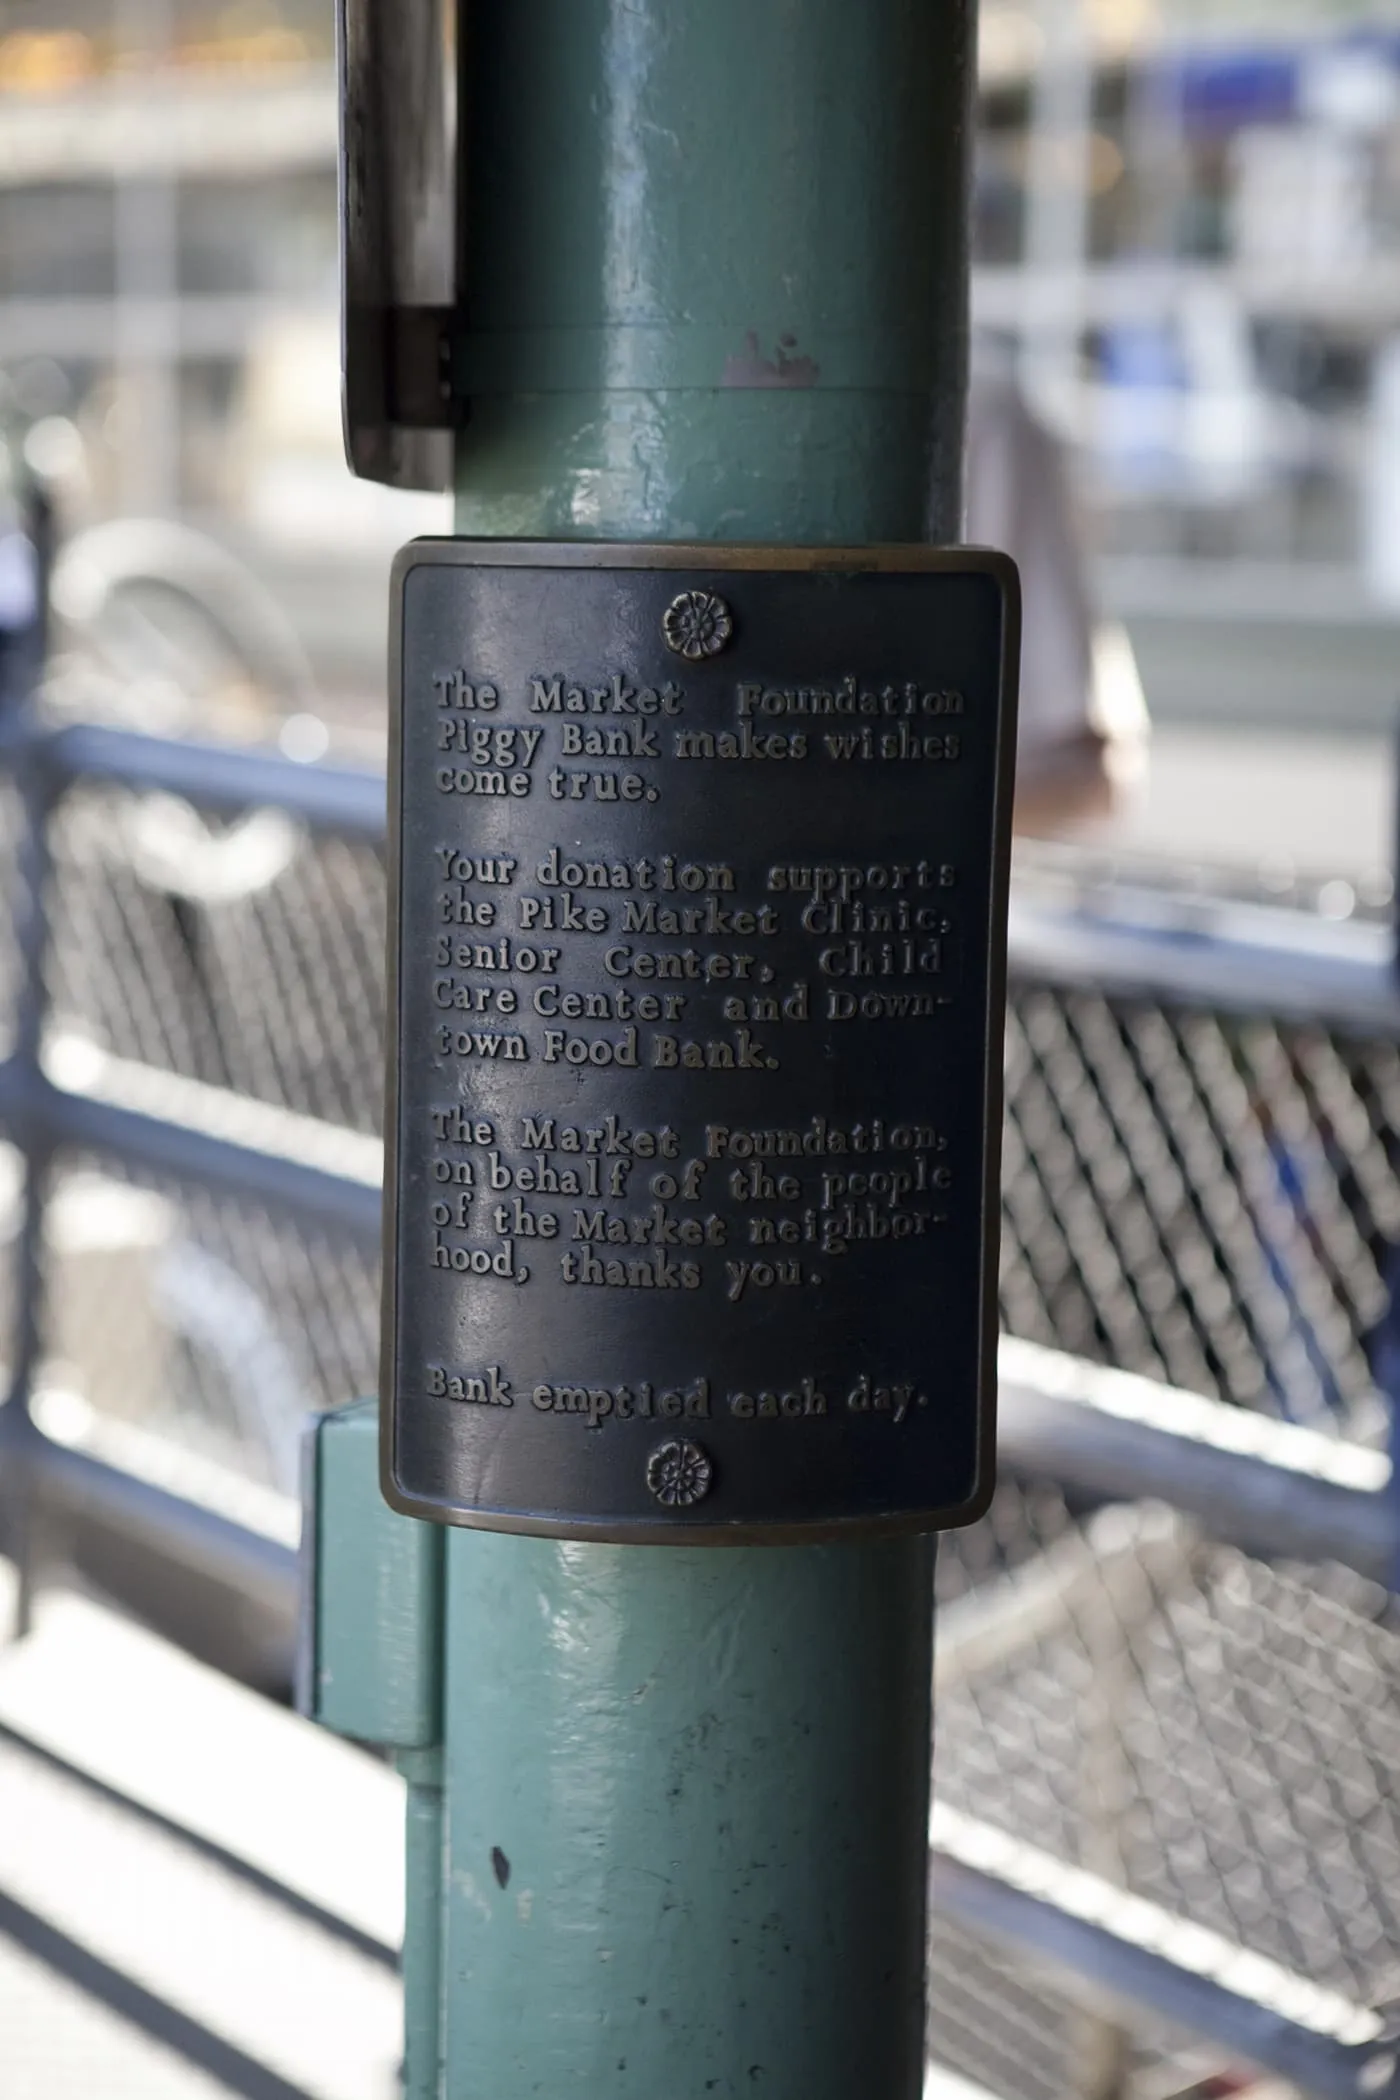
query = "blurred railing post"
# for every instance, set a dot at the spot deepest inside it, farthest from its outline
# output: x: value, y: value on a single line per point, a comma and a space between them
x: 37, y: 790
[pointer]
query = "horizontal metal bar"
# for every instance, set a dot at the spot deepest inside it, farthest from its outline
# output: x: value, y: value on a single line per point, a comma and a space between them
x: 1107, y: 1944
x: 214, y: 1584
x: 328, y: 798
x: 196, y: 1160
x: 260, y: 1569
x: 199, y: 1158
x: 1268, y: 1487
x: 1297, y: 1493
x: 132, y: 1535
x: 1231, y: 958
x: 1124, y: 940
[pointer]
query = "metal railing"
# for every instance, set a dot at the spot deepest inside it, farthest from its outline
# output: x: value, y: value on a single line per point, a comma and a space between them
x: 1165, y: 1740
x: 130, y: 1505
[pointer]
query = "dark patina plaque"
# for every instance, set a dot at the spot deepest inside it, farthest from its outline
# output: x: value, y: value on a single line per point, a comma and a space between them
x: 697, y: 925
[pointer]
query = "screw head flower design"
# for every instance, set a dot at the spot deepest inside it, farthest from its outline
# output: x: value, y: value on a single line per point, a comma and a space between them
x: 679, y: 1474
x: 697, y: 624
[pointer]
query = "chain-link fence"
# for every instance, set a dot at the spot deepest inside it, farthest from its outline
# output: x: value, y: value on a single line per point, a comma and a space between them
x: 1199, y: 1728
x: 246, y: 953
x: 1205, y: 1198
x: 1199, y: 1191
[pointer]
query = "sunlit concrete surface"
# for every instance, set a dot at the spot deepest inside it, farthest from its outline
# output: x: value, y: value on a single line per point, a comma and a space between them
x: 57, y: 2043
x: 946, y: 2085
x: 238, y: 1939
x: 199, y: 1894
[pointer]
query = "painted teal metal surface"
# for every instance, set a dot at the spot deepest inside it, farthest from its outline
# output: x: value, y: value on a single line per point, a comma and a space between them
x: 421, y: 1771
x: 715, y: 268
x: 684, y: 1795
x: 374, y: 1673
x: 376, y: 1604
x: 717, y: 289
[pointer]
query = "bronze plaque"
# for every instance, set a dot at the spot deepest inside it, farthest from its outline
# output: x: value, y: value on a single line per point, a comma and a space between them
x: 697, y: 932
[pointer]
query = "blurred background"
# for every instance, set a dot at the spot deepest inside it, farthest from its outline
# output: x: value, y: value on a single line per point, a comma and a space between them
x: 1187, y: 240
x: 1187, y: 272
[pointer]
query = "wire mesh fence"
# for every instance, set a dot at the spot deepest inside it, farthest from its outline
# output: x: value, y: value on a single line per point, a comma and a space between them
x: 1204, y: 1199
x: 1200, y: 1728
x: 209, y: 1322
x: 1209, y: 1199
x: 247, y: 954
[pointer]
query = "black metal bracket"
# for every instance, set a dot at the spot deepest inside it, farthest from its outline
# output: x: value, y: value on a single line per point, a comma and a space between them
x: 412, y: 349
x: 400, y: 237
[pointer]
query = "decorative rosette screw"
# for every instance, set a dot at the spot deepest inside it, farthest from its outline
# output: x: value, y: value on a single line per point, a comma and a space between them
x: 697, y: 624
x: 679, y: 1474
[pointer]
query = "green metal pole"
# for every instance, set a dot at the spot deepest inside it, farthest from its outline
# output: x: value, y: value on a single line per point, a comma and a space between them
x: 716, y: 268
x: 717, y: 290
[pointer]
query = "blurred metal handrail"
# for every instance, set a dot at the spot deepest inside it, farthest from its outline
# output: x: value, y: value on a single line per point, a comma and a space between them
x: 1232, y: 958
x: 1266, y: 1486
x: 197, y: 1150
x: 59, y: 1093
x: 218, y: 1586
x: 349, y: 803
x: 1270, y: 1488
x: 1325, y: 1497
x: 1120, y: 938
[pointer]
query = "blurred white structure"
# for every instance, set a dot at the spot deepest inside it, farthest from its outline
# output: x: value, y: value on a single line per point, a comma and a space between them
x: 1188, y: 231
x: 1382, y: 484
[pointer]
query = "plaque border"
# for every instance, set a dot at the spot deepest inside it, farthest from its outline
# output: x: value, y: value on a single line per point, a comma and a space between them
x: 889, y: 558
